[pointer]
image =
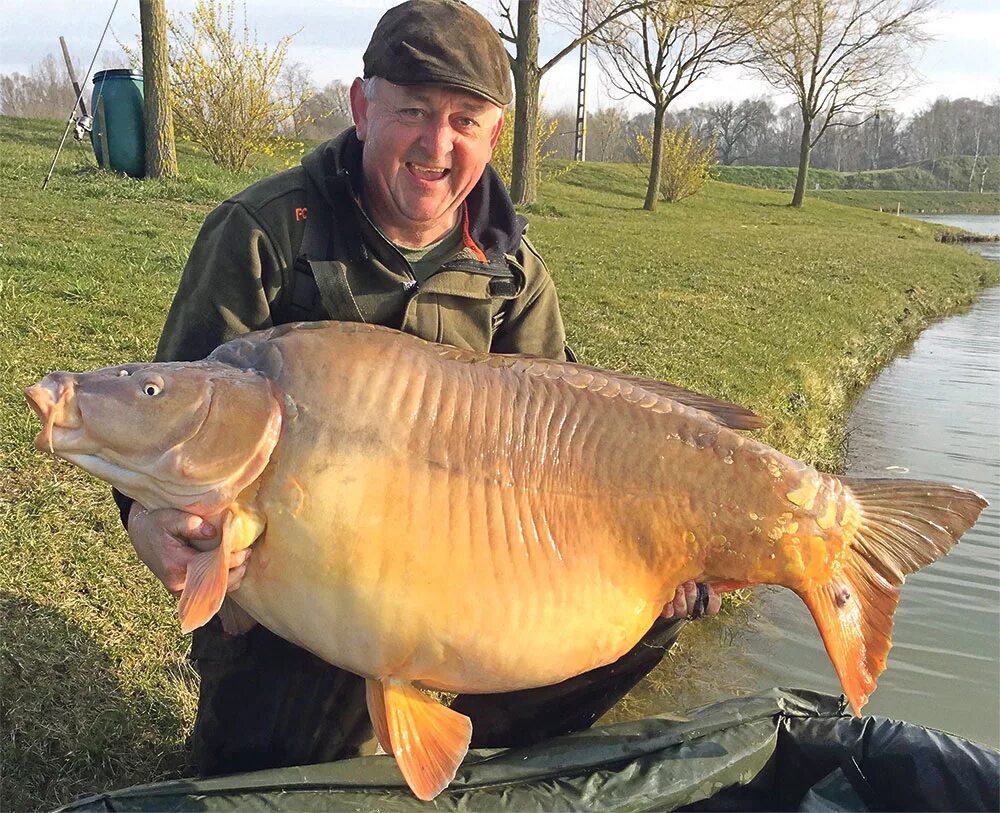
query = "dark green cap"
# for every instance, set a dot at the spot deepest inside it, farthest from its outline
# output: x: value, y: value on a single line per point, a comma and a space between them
x: 440, y: 42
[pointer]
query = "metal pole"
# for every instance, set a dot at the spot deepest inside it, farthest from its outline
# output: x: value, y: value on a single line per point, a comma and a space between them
x: 72, y: 75
x: 79, y: 98
x: 580, y: 146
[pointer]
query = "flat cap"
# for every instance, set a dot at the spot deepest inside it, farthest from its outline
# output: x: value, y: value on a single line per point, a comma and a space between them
x: 440, y: 42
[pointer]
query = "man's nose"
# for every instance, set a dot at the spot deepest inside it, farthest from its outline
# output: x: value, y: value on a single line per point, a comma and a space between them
x: 436, y: 138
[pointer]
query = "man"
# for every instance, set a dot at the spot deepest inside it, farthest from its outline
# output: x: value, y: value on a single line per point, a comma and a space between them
x: 398, y: 222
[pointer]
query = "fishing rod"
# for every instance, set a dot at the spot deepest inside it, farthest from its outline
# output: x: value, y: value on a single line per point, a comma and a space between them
x: 79, y: 97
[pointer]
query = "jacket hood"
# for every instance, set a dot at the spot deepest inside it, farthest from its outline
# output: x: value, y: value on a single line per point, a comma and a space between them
x: 491, y: 222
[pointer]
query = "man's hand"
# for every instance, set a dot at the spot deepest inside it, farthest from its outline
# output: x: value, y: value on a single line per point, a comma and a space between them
x: 162, y: 538
x: 686, y: 600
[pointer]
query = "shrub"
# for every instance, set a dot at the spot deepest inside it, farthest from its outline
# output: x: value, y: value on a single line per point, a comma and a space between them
x: 685, y: 163
x: 224, y: 86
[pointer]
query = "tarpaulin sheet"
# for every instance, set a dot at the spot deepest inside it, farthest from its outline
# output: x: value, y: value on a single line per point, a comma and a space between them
x: 780, y: 750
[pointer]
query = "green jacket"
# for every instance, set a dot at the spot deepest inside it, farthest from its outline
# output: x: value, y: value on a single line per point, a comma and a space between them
x: 297, y: 246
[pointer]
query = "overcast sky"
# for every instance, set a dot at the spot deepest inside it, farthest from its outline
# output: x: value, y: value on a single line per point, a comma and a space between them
x: 331, y: 35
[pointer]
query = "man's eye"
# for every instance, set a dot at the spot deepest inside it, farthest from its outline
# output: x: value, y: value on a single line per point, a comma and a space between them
x: 466, y: 123
x: 412, y: 112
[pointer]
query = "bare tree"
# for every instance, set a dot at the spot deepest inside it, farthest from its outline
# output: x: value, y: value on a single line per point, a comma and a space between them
x: 737, y: 128
x: 658, y: 51
x: 607, y: 133
x: 520, y: 29
x: 295, y: 84
x: 326, y: 112
x: 44, y: 92
x: 838, y: 58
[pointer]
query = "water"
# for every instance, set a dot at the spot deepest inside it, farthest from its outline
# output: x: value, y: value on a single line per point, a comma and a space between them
x: 977, y: 224
x: 933, y: 413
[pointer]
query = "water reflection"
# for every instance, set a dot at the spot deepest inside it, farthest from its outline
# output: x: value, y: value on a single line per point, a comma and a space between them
x: 933, y: 413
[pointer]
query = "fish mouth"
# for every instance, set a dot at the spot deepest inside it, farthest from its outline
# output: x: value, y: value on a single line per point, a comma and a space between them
x: 53, y: 400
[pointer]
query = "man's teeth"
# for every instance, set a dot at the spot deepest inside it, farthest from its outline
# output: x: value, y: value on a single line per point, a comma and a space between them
x: 429, y: 170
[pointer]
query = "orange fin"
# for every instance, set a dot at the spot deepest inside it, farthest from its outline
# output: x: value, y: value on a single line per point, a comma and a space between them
x: 208, y: 574
x: 376, y: 710
x: 204, y: 587
x: 905, y: 525
x: 428, y: 740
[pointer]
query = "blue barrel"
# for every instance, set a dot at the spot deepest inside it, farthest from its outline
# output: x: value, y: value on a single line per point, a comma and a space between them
x: 121, y: 90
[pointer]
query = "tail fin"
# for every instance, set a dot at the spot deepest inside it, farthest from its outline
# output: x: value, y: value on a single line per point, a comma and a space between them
x: 905, y: 524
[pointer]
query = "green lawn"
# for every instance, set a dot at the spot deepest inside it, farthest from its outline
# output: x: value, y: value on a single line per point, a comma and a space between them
x: 731, y: 292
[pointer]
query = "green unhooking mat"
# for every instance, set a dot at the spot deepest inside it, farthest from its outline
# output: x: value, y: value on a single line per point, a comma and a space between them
x: 781, y: 750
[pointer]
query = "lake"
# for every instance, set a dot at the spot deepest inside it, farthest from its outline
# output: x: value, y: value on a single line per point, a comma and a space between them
x: 933, y: 413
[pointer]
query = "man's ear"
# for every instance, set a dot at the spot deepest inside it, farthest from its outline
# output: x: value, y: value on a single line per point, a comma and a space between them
x: 359, y: 108
x: 495, y: 135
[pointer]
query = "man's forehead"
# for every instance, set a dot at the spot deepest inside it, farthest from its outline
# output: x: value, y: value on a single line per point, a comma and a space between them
x: 431, y: 94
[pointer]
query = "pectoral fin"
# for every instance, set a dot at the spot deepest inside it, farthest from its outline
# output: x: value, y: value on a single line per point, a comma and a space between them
x: 428, y: 740
x: 208, y: 572
x: 204, y: 587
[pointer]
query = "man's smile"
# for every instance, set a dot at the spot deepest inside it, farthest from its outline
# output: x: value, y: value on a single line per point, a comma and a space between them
x: 427, y: 173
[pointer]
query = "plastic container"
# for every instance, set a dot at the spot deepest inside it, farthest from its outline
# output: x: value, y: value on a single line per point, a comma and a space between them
x: 121, y: 90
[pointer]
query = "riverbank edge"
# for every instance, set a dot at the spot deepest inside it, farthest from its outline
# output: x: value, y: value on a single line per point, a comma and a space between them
x: 858, y: 373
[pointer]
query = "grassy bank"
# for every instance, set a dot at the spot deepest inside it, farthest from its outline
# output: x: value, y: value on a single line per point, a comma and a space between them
x: 732, y: 293
x: 968, y: 203
x: 929, y: 187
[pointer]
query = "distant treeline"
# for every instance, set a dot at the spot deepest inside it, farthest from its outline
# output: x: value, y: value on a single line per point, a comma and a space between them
x: 753, y: 133
x: 757, y: 133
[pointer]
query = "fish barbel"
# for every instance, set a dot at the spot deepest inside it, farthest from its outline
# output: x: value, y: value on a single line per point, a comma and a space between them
x: 426, y: 516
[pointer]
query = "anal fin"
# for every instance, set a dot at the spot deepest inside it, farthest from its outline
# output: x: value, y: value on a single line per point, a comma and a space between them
x: 428, y: 740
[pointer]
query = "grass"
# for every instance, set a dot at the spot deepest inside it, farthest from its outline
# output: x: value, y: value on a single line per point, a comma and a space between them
x: 731, y: 292
x: 913, y: 202
x: 921, y: 197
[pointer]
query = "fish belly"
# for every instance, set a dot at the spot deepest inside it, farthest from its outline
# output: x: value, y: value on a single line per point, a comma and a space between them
x: 459, y: 587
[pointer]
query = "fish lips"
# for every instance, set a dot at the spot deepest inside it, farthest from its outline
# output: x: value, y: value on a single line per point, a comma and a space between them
x: 53, y: 400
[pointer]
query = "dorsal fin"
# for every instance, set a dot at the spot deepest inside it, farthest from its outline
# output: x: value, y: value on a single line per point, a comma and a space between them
x: 255, y: 352
x: 730, y: 415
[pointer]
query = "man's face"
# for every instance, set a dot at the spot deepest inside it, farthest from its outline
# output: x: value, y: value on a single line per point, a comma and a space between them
x: 425, y: 148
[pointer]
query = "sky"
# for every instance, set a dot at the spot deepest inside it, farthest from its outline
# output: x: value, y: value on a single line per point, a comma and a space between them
x: 330, y: 36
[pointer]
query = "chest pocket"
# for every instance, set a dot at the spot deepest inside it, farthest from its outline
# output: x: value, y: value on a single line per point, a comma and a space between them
x: 460, y: 308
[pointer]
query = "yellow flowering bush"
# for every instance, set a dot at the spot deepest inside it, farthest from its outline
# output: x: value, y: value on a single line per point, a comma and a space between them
x: 224, y: 86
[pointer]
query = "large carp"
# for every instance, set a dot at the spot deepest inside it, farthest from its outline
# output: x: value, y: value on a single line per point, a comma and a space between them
x: 430, y: 517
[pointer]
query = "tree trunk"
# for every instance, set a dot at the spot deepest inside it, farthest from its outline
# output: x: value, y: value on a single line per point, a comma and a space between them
x: 527, y: 83
x: 656, y: 159
x: 805, y: 147
x: 161, y: 153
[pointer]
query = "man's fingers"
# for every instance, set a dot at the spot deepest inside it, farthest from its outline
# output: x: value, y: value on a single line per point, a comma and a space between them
x: 686, y: 602
x: 680, y: 602
x: 182, y: 524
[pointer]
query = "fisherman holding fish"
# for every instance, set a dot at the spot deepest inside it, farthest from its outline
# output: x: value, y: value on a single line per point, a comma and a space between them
x: 507, y: 527
x: 399, y: 221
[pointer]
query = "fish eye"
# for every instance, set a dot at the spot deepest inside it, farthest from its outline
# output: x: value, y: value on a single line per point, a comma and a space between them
x: 151, y: 389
